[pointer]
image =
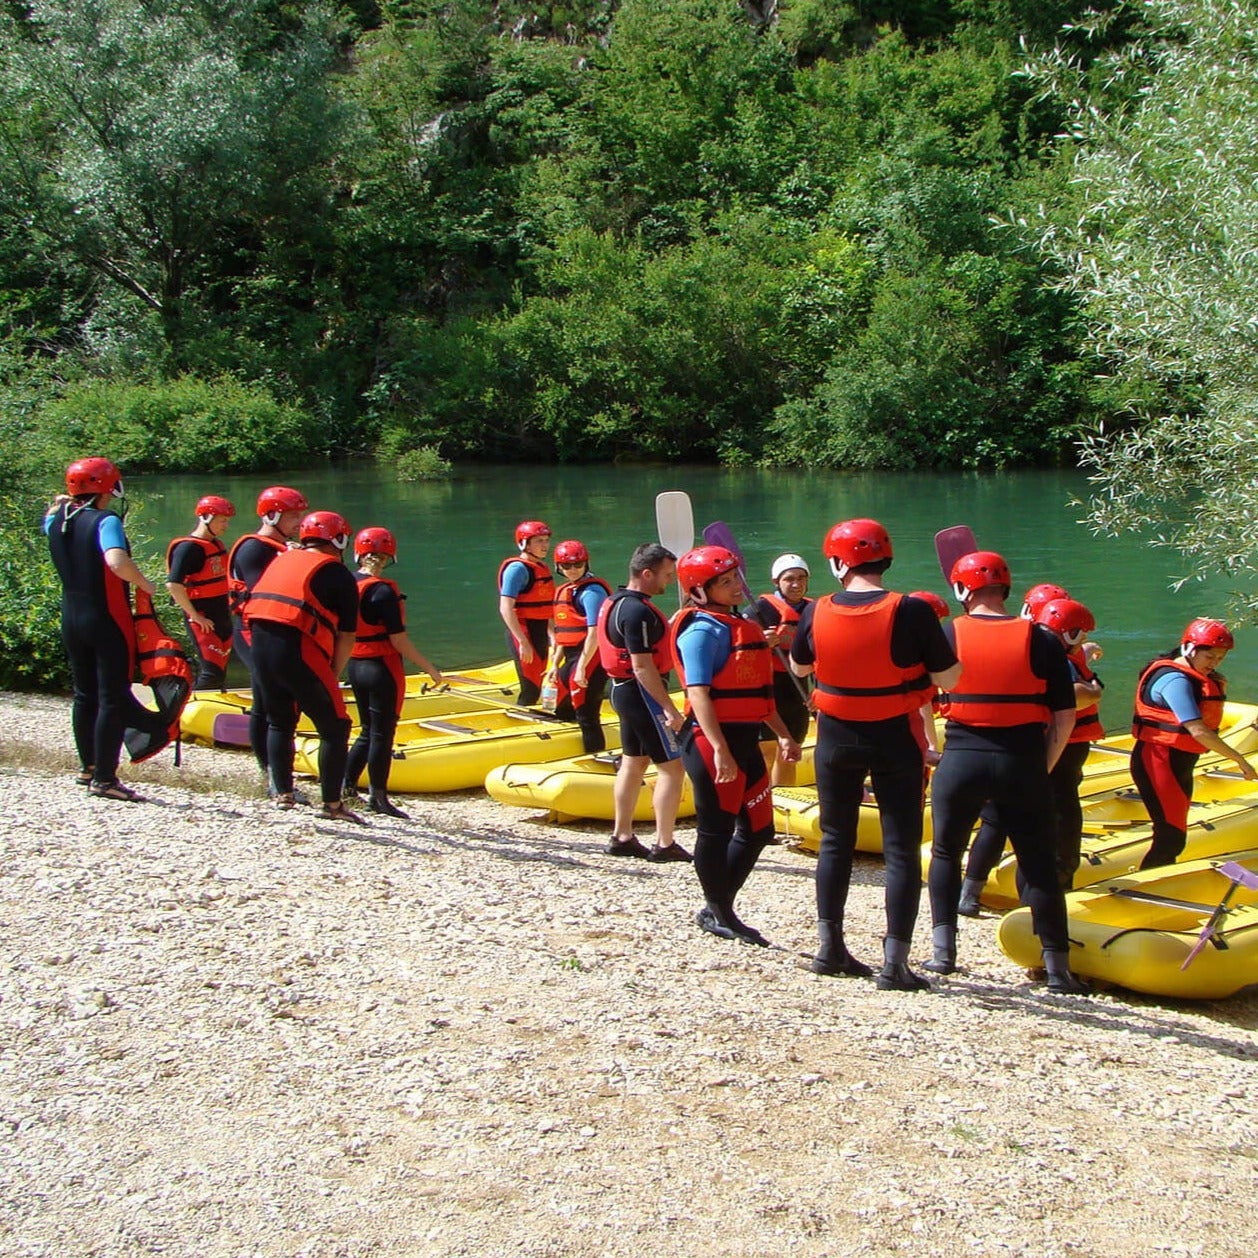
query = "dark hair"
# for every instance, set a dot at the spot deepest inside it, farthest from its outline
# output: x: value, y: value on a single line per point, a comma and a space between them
x: 648, y: 555
x: 875, y: 567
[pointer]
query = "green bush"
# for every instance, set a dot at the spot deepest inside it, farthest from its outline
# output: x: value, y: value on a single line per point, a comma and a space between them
x: 31, y: 656
x: 425, y: 463
x: 181, y: 425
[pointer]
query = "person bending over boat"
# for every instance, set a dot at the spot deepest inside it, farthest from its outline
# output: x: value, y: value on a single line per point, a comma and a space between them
x: 375, y: 669
x: 526, y: 603
x: 302, y: 616
x: 1008, y: 719
x: 724, y: 664
x: 280, y: 512
x: 196, y: 576
x: 581, y: 675
x: 633, y: 650
x: 93, y: 560
x: 876, y: 657
x: 1179, y: 706
x: 779, y: 613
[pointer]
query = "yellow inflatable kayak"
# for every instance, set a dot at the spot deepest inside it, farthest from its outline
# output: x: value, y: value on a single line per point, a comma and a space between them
x: 581, y: 788
x: 455, y: 752
x: 1188, y: 930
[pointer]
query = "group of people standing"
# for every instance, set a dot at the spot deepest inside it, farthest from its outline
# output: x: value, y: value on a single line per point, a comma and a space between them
x: 1017, y: 693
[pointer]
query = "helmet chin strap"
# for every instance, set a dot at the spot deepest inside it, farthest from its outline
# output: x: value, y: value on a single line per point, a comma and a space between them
x: 699, y: 596
x: 272, y: 518
x: 959, y: 592
x: 839, y: 568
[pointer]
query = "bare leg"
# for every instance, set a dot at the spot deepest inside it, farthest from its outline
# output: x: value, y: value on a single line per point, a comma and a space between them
x: 669, y: 780
x: 625, y: 792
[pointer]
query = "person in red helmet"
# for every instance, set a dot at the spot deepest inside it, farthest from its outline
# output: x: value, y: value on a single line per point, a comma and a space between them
x: 526, y: 603
x: 376, y: 674
x: 1070, y: 621
x: 1037, y: 597
x: 1009, y: 717
x: 724, y: 664
x: 302, y: 616
x: 874, y: 657
x: 196, y: 576
x: 779, y: 613
x: 1179, y: 705
x: 581, y: 676
x: 93, y: 560
x: 280, y: 512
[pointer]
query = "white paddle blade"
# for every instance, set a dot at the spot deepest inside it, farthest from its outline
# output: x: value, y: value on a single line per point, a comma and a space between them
x: 675, y: 521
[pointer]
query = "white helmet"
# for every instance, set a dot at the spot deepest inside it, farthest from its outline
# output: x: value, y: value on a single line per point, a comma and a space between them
x: 784, y: 563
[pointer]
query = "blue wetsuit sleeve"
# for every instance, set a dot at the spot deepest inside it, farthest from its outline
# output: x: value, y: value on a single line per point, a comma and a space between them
x: 704, y: 646
x: 111, y: 535
x: 589, y: 600
x: 515, y: 580
x: 1174, y: 691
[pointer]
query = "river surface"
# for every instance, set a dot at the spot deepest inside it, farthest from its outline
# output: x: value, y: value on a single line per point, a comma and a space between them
x: 453, y: 534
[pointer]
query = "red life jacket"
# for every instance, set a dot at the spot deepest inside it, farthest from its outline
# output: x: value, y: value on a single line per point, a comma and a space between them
x: 211, y: 581
x: 237, y: 590
x: 165, y: 670
x: 997, y: 689
x: 616, y: 661
x: 283, y: 595
x: 1154, y: 724
x: 857, y: 680
x: 371, y: 640
x: 742, y: 691
x: 570, y: 623
x: 786, y: 626
x: 537, y: 600
x: 1087, y: 720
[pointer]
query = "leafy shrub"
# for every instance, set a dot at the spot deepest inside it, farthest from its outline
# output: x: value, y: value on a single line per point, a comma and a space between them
x: 425, y: 463
x: 181, y: 425
x: 31, y: 656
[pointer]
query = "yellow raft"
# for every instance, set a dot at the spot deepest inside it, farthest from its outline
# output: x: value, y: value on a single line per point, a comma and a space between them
x: 222, y: 717
x: 581, y: 788
x: 455, y: 753
x: 1140, y: 930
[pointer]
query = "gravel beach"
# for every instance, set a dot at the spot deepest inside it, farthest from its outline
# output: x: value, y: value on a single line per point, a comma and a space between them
x: 228, y: 1030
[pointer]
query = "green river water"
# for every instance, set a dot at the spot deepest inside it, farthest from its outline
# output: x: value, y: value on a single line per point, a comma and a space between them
x: 452, y: 536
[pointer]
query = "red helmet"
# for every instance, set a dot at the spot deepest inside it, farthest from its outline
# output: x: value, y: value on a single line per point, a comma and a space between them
x: 699, y: 566
x: 93, y: 476
x: 212, y: 505
x: 530, y: 528
x: 571, y: 552
x: 978, y: 569
x: 937, y: 605
x: 1208, y: 633
x: 1067, y: 618
x: 1035, y: 598
x: 273, y: 502
x: 855, y: 542
x: 325, y: 526
x: 375, y: 541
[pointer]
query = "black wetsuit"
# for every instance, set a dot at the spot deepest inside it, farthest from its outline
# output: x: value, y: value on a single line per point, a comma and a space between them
x: 250, y: 559
x: 188, y: 559
x: 377, y: 682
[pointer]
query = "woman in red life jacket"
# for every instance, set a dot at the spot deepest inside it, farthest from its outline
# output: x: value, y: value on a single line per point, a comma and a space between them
x: 580, y: 674
x: 526, y: 603
x: 375, y: 669
x: 724, y: 665
x: 779, y: 613
x: 1179, y: 705
x: 196, y: 567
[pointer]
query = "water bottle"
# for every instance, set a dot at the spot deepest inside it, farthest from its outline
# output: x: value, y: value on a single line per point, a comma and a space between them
x: 550, y: 692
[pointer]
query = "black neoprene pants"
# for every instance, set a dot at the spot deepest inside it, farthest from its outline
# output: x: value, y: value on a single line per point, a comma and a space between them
x: 589, y: 716
x: 258, y: 722
x: 375, y: 692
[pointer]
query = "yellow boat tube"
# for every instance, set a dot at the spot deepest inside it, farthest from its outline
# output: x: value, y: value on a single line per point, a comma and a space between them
x: 1139, y: 930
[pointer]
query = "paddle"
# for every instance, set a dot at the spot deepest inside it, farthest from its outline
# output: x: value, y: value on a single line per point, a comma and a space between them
x: 950, y: 545
x: 1239, y: 876
x: 718, y: 534
x: 675, y: 522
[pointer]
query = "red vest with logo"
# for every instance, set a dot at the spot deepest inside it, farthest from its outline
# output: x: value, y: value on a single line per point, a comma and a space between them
x: 857, y: 680
x: 371, y: 641
x: 570, y: 623
x: 283, y: 596
x: 786, y: 626
x: 537, y: 600
x: 616, y: 660
x: 742, y: 690
x: 997, y: 689
x: 211, y: 581
x: 1154, y: 724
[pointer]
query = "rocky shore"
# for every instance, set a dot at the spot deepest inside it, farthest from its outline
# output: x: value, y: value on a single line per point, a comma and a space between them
x: 226, y: 1030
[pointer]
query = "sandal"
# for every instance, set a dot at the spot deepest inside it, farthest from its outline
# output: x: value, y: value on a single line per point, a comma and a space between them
x: 115, y: 790
x: 338, y: 812
x: 84, y: 778
x: 284, y: 800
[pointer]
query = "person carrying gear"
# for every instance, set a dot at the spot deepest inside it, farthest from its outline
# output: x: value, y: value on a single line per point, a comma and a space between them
x: 92, y: 557
x: 1179, y: 706
x: 196, y: 567
x: 1009, y: 717
x: 875, y: 657
x: 725, y: 667
x: 280, y: 511
x: 581, y: 676
x: 302, y: 616
x: 375, y: 669
x: 526, y: 603
x: 779, y: 613
x: 633, y: 651
x: 1070, y: 621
